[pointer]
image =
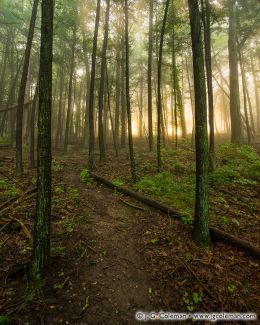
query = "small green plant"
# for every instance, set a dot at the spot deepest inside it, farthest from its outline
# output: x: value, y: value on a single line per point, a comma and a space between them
x: 235, y: 222
x: 232, y: 287
x: 86, y: 178
x: 59, y: 190
x: 68, y: 226
x: 57, y: 166
x: 3, y: 184
x: 73, y: 192
x: 192, y: 300
x: 154, y: 240
x: 187, y: 220
x: 10, y: 192
x: 118, y: 182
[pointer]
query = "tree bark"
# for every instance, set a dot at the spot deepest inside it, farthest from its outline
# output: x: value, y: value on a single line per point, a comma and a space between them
x: 236, y: 131
x: 41, y: 244
x: 149, y: 77
x: 127, y: 90
x: 206, y: 15
x: 102, y: 148
x: 72, y: 66
x: 159, y: 76
x: 22, y: 90
x: 92, y: 92
x: 201, y: 233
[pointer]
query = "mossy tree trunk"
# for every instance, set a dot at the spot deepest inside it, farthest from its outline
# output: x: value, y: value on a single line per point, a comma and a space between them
x: 201, y: 233
x: 41, y: 245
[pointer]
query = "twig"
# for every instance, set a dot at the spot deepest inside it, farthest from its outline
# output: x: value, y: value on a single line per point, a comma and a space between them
x: 195, y: 276
x: 132, y: 205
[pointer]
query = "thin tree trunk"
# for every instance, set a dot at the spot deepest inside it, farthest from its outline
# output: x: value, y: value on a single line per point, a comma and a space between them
x: 236, y: 132
x: 118, y: 87
x: 22, y: 90
x: 159, y: 104
x: 102, y: 149
x: 127, y: 89
x: 149, y: 77
x: 32, y: 128
x: 72, y: 66
x: 206, y: 15
x: 92, y: 92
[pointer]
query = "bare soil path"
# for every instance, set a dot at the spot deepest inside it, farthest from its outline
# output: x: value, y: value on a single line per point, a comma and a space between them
x: 117, y: 278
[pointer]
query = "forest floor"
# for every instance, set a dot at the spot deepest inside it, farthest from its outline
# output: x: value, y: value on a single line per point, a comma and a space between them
x: 109, y: 259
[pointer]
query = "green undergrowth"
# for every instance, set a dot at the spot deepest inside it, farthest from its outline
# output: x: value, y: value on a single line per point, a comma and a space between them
x: 234, y: 165
x: 8, y: 191
x: 86, y: 178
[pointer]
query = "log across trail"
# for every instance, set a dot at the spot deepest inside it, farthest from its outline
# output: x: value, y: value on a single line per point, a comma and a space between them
x: 215, y: 232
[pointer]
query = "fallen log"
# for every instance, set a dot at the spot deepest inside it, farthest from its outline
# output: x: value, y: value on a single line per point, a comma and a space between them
x: 17, y: 200
x: 216, y: 233
x: 154, y: 204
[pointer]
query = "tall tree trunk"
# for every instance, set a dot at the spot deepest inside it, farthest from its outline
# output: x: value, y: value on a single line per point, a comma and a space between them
x: 201, y: 233
x: 102, y: 149
x: 86, y: 120
x: 206, y: 15
x: 32, y: 127
x: 41, y: 244
x: 248, y: 129
x: 123, y: 103
x: 21, y: 96
x: 149, y: 77
x: 127, y: 90
x: 236, y: 132
x: 140, y: 127
x: 58, y: 131
x: 159, y: 103
x: 118, y: 88
x: 72, y: 66
x: 92, y: 92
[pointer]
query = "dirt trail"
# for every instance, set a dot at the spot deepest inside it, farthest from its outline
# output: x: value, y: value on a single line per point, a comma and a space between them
x: 119, y: 281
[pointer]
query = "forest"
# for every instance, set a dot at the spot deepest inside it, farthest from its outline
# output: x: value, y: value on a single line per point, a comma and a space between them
x: 129, y: 161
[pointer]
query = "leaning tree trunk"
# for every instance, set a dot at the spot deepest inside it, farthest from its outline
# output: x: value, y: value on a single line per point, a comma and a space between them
x: 159, y: 103
x: 149, y: 77
x: 102, y: 148
x: 236, y: 129
x: 41, y: 244
x: 127, y: 90
x: 22, y: 90
x: 201, y: 232
x: 92, y: 92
